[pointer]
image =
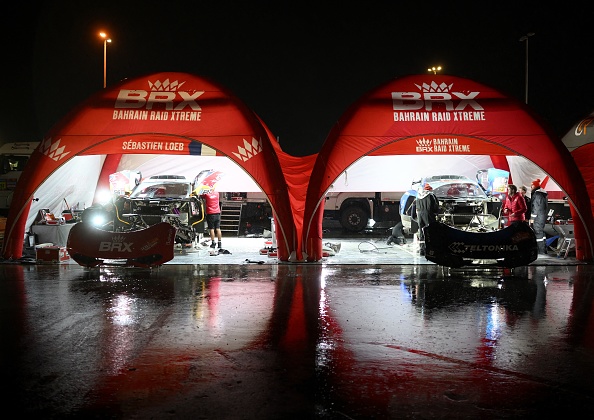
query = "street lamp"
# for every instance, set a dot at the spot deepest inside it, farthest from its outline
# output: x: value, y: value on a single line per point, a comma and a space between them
x: 434, y: 69
x: 525, y: 38
x: 105, y: 41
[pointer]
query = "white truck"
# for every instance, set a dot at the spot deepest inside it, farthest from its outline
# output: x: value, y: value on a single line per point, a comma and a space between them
x: 13, y: 158
x: 357, y: 211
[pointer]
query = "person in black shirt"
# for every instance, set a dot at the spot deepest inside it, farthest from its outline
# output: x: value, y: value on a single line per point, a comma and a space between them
x: 427, y: 211
x: 539, y: 212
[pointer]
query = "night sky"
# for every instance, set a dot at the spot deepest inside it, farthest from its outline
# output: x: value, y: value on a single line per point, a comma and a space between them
x: 297, y: 67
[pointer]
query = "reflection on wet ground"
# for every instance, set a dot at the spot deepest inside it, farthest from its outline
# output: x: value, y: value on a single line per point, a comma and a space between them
x: 298, y: 341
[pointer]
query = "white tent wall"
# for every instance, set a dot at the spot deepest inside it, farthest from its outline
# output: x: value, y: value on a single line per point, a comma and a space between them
x: 74, y: 182
x: 523, y: 172
x: 234, y: 179
x: 396, y: 173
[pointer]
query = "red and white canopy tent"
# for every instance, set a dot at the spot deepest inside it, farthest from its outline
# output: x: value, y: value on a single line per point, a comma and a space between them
x: 164, y: 113
x: 178, y: 114
x: 441, y: 115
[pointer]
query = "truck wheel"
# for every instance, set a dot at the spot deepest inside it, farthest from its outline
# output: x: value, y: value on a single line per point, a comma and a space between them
x: 354, y: 219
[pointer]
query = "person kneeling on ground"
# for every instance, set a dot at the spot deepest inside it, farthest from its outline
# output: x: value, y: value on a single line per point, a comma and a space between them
x: 397, y: 236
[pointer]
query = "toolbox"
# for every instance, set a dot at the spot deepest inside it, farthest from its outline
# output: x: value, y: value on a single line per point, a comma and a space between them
x: 51, y: 254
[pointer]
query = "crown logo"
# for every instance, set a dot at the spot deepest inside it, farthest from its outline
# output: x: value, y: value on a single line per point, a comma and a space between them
x: 117, y: 239
x: 434, y: 87
x: 53, y: 150
x: 249, y: 150
x: 424, y: 142
x: 165, y: 86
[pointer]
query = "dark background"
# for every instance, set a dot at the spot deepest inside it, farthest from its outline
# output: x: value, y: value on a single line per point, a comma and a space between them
x: 297, y: 65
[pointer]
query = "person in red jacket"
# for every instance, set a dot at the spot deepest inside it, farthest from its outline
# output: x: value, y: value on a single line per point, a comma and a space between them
x: 515, y: 205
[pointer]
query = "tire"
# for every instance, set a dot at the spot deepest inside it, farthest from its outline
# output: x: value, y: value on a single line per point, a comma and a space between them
x: 354, y: 219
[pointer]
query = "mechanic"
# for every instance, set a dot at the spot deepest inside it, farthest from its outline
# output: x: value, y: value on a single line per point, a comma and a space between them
x: 213, y: 216
x: 515, y: 206
x: 524, y: 190
x: 397, y: 236
x: 427, y: 211
x: 538, y: 214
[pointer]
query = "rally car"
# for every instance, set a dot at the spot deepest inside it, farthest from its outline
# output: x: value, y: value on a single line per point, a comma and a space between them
x: 463, y: 202
x: 161, y: 198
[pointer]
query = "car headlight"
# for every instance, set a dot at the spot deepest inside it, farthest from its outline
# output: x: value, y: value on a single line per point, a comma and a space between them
x: 98, y: 219
x: 96, y: 216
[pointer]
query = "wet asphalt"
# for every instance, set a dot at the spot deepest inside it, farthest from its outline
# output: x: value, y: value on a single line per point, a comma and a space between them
x: 272, y: 341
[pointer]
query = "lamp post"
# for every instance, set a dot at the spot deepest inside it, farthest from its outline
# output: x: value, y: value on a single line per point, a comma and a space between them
x: 434, y: 69
x: 525, y: 38
x: 105, y: 41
